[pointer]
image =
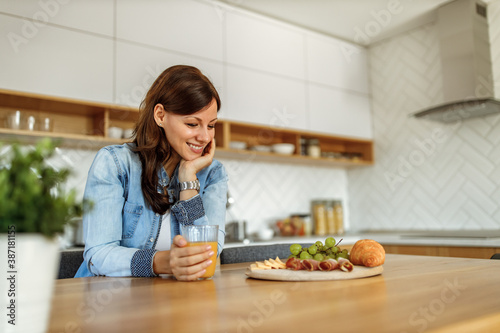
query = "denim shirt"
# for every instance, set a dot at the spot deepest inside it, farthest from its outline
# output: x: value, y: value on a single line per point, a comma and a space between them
x: 121, y: 229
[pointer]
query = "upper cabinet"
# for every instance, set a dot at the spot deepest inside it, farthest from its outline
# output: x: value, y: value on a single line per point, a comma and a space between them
x: 340, y: 112
x: 264, y: 45
x: 137, y: 66
x: 87, y: 16
x: 56, y: 61
x: 299, y: 79
x: 266, y: 99
x: 337, y: 64
x: 190, y: 27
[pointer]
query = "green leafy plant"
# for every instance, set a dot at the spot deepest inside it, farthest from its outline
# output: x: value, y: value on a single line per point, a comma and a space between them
x: 31, y: 195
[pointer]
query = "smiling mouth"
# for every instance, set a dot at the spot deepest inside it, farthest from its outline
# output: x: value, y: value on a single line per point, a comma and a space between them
x: 195, y: 147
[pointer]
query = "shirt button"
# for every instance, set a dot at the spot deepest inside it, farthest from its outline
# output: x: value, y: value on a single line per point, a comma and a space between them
x: 157, y: 214
x: 151, y: 240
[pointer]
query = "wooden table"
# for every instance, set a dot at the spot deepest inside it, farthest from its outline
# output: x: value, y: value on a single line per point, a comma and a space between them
x: 414, y: 294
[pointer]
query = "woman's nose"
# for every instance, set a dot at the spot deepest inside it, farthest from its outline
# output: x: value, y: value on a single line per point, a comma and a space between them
x: 203, y: 135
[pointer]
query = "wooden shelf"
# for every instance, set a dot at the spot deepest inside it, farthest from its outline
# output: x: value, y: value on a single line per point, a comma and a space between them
x: 76, y: 141
x: 343, y: 151
x: 249, y: 155
x: 69, y: 117
x: 84, y: 125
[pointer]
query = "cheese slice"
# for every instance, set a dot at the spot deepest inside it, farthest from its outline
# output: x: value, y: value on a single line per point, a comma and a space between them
x: 268, y: 264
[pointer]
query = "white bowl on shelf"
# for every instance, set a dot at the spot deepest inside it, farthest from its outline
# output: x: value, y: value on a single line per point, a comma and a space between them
x: 115, y: 132
x: 262, y: 148
x: 283, y: 148
x: 127, y: 133
x: 238, y: 145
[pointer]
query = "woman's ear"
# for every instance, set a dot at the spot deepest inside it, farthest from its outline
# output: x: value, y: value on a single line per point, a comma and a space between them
x: 159, y: 114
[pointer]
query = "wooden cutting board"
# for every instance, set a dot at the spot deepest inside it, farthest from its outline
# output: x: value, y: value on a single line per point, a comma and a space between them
x: 291, y: 275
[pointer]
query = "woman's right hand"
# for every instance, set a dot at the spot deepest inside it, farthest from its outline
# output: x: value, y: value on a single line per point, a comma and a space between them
x: 188, y: 263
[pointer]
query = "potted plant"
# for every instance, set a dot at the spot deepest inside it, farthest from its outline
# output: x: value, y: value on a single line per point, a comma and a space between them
x: 34, y: 209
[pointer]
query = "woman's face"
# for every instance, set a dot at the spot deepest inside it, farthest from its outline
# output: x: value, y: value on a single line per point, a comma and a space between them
x: 188, y: 135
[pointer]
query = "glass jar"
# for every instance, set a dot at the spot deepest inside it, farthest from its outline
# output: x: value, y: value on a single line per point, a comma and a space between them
x: 313, y: 148
x: 31, y: 123
x: 303, y: 146
x: 339, y: 217
x: 319, y: 217
x: 331, y: 225
x: 301, y: 224
x: 14, y: 120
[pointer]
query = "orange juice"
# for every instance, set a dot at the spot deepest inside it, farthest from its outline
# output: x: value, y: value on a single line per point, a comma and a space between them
x: 210, y: 269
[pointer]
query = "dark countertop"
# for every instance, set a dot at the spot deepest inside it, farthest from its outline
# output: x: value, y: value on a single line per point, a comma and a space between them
x: 466, y: 238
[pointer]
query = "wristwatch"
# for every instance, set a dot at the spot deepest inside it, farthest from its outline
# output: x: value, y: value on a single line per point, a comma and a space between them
x: 190, y: 185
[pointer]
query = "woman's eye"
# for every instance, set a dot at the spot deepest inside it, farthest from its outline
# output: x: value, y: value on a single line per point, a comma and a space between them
x: 211, y: 126
x: 191, y: 125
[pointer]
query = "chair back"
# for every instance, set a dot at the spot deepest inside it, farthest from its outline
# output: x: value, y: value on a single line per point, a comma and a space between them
x: 247, y: 253
x: 69, y: 264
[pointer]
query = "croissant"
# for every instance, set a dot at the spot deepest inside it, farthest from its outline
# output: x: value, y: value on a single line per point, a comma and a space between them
x: 367, y: 252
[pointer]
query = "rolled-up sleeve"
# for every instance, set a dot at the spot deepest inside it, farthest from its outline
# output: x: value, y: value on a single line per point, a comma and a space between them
x: 103, y: 223
x: 142, y: 263
x: 189, y: 210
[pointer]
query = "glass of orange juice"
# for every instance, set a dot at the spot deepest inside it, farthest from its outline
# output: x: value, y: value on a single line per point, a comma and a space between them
x: 203, y: 235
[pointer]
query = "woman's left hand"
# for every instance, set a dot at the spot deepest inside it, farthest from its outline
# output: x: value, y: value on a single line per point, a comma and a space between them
x: 189, y: 169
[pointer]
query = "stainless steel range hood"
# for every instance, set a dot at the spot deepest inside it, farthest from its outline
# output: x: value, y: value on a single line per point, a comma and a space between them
x: 468, y: 87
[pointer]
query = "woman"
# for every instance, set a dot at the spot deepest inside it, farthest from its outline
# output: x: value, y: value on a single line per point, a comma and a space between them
x: 143, y: 192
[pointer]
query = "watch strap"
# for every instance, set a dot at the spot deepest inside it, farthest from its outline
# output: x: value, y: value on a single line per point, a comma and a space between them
x: 190, y: 185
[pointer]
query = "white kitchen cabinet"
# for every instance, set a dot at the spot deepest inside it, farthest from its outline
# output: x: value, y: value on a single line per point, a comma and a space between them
x: 138, y: 66
x: 57, y: 62
x: 337, y: 64
x: 91, y: 16
x: 266, y: 99
x: 339, y: 112
x: 264, y: 45
x: 186, y: 26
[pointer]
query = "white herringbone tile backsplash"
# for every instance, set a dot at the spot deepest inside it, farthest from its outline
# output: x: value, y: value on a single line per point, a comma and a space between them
x: 266, y: 192
x: 263, y: 192
x: 427, y: 175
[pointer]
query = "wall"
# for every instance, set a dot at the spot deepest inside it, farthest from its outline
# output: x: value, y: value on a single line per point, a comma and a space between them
x: 427, y: 175
x: 265, y: 192
x: 111, y: 51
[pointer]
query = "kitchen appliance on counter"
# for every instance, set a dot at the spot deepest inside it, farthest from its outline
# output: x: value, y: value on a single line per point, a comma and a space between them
x: 236, y: 231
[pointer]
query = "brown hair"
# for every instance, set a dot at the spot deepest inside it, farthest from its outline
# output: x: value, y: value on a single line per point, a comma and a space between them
x: 181, y: 90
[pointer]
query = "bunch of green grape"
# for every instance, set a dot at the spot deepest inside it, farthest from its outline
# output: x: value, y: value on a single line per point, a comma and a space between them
x: 318, y: 251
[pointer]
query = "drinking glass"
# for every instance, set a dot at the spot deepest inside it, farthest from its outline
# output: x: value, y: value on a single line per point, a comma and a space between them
x: 203, y: 235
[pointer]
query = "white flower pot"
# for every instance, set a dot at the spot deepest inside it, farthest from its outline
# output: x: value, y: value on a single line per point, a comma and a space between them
x: 28, y: 284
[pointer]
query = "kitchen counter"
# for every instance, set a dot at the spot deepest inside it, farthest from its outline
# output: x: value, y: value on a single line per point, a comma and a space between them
x: 413, y: 294
x: 458, y: 238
